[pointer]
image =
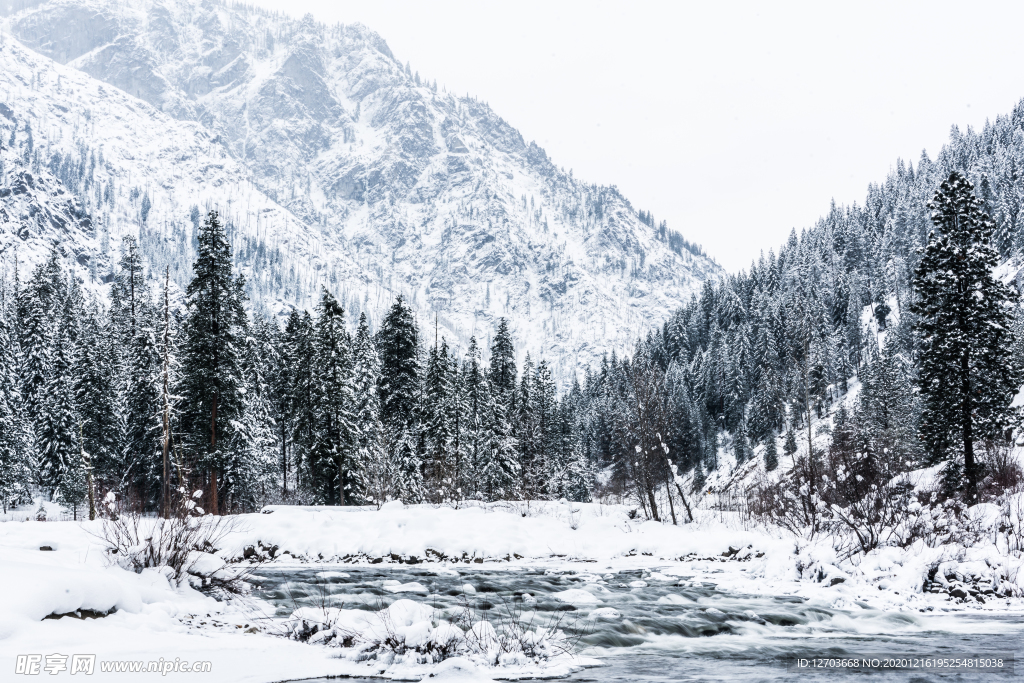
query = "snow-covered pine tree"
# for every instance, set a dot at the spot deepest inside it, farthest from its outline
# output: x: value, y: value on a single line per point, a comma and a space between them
x: 171, y: 465
x: 438, y: 425
x: 503, y: 361
x: 474, y: 387
x: 398, y: 347
x: 499, y: 470
x: 886, y: 412
x: 767, y: 409
x: 572, y: 476
x: 130, y: 293
x: 299, y: 341
x: 36, y: 305
x: 212, y: 375
x: 789, y: 446
x: 249, y: 465
x: 332, y: 462
x: 141, y: 461
x: 457, y: 411
x: 545, y: 415
x: 378, y: 472
x: 771, y: 453
x: 967, y: 374
x: 96, y: 396
x: 397, y: 344
x: 279, y: 384
x: 15, y: 436
x: 60, y: 470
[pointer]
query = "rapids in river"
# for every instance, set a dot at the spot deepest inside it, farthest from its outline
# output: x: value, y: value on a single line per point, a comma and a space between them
x: 645, y: 626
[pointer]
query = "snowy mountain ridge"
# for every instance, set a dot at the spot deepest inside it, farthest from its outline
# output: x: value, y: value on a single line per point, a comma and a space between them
x: 141, y: 178
x: 399, y: 188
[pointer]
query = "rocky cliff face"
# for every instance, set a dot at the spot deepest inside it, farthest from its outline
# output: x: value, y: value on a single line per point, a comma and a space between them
x: 403, y: 188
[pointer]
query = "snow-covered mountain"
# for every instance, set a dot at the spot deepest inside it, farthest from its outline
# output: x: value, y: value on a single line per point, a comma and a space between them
x: 343, y: 167
x: 84, y: 164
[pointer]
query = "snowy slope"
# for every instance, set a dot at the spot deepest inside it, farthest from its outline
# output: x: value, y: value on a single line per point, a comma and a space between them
x: 433, y: 195
x: 36, y: 211
x: 116, y: 154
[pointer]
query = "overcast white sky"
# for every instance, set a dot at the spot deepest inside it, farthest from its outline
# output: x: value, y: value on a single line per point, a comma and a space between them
x: 733, y: 121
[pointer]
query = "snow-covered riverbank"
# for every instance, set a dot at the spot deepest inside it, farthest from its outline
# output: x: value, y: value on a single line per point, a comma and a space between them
x: 148, y: 619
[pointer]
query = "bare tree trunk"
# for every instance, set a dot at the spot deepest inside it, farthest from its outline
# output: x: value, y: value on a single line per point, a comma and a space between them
x: 682, y: 496
x: 341, y: 483
x: 214, y: 506
x: 87, y: 466
x: 165, y: 489
x: 213, y: 448
x: 968, y: 432
x: 807, y: 391
x: 650, y: 497
x: 671, y: 506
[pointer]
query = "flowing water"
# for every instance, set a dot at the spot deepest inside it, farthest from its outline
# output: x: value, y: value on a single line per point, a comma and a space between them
x: 676, y: 631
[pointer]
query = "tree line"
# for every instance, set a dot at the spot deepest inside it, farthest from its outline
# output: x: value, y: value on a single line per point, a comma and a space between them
x: 145, y: 396
x: 895, y: 300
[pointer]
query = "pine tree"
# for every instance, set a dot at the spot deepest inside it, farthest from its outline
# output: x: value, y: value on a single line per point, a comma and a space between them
x: 141, y: 445
x: 280, y: 381
x: 438, y: 423
x: 96, y: 396
x: 525, y: 430
x: 212, y: 376
x: 789, y: 447
x: 303, y: 395
x: 398, y: 389
x: 499, y: 472
x: 572, y: 476
x: 967, y: 375
x: 35, y: 308
x: 378, y: 472
x: 503, y: 360
x: 474, y: 388
x: 546, y: 439
x: 771, y: 454
x: 57, y: 438
x: 129, y: 295
x: 332, y: 461
x: 397, y: 344
x: 250, y: 459
x: 15, y: 435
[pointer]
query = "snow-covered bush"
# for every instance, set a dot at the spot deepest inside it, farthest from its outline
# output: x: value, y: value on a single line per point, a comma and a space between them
x: 183, y: 543
x: 411, y: 632
x: 936, y: 524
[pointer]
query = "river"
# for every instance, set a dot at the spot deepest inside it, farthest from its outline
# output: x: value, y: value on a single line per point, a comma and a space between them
x: 652, y: 629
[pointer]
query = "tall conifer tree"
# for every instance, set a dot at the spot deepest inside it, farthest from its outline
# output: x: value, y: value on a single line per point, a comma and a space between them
x: 212, y: 377
x: 967, y: 374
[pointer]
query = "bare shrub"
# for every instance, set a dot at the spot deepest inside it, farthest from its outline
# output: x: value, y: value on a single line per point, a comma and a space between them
x: 793, y: 502
x: 554, y: 634
x: 177, y: 542
x: 1011, y: 523
x: 1002, y: 473
x: 937, y: 523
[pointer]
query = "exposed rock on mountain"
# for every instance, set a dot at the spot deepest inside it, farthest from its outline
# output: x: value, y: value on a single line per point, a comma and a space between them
x: 429, y: 194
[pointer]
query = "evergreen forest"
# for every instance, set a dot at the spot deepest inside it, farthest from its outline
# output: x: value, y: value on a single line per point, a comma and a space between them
x: 884, y: 339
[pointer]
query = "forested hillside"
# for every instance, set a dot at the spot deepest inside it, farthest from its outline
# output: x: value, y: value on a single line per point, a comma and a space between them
x: 754, y: 358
